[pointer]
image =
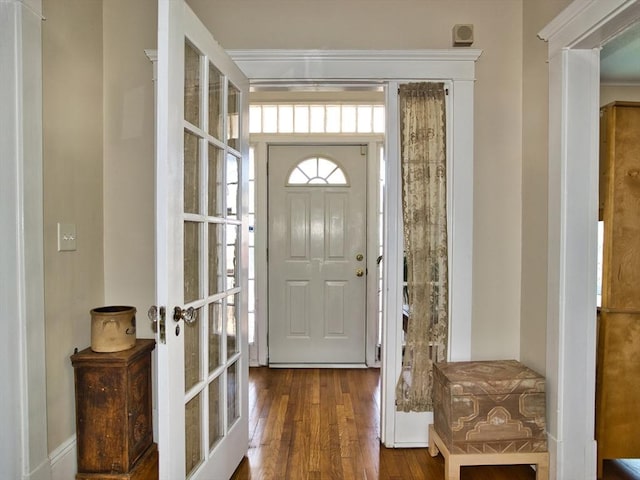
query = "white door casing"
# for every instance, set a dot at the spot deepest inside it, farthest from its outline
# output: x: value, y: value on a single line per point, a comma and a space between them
x: 457, y: 69
x: 575, y: 37
x: 201, y: 251
x: 317, y: 255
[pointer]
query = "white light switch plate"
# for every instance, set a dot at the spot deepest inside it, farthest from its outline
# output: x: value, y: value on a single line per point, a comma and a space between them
x: 66, y: 237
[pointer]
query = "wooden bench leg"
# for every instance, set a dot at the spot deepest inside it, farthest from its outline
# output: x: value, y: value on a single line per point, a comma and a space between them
x: 542, y: 469
x: 433, y: 447
x: 451, y: 468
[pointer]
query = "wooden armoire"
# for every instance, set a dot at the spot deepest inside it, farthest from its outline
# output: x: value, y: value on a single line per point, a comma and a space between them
x: 617, y: 427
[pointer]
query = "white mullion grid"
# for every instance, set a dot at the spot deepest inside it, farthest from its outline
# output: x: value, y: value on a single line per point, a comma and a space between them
x: 204, y: 205
x: 223, y: 337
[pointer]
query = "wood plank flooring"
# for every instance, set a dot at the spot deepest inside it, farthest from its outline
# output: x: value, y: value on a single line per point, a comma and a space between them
x: 316, y: 424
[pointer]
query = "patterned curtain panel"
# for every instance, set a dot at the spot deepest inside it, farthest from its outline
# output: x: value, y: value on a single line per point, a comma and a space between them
x: 424, y: 195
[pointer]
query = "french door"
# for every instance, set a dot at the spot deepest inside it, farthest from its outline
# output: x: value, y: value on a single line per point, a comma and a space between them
x: 201, y: 250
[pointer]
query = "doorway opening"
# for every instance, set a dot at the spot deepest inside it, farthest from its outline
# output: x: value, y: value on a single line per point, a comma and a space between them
x: 320, y: 116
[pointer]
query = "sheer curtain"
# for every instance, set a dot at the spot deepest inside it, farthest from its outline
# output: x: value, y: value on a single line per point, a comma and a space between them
x: 424, y: 194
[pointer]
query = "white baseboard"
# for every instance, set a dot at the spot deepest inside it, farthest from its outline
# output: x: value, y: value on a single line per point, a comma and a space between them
x: 412, y: 429
x: 42, y: 472
x: 64, y: 460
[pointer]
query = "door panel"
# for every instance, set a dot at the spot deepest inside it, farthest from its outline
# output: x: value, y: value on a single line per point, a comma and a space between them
x: 201, y: 251
x: 317, y: 228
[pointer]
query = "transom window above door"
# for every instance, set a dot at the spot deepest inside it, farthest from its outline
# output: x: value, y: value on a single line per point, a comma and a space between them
x: 317, y: 171
x: 316, y: 118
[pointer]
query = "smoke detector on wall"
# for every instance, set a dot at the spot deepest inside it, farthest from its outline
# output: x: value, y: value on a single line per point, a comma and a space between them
x: 462, y: 35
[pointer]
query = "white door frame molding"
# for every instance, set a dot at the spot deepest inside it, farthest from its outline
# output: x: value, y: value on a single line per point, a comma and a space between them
x: 23, y: 448
x: 575, y: 37
x: 391, y: 67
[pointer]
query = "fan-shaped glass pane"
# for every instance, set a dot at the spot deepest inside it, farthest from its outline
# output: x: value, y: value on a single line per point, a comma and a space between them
x: 337, y: 178
x: 325, y: 167
x: 298, y: 178
x: 309, y: 167
x: 317, y: 171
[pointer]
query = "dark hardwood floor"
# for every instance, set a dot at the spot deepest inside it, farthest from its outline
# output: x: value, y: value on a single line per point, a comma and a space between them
x: 321, y: 424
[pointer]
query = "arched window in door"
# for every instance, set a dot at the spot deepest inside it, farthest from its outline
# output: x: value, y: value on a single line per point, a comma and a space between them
x: 317, y: 171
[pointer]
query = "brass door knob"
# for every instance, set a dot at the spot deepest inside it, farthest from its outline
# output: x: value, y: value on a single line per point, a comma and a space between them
x: 359, y: 272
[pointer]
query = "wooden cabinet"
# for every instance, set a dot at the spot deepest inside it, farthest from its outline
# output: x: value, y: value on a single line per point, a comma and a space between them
x: 114, y: 414
x: 618, y: 357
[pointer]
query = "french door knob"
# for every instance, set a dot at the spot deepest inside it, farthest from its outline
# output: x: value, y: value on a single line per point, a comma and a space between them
x: 189, y: 315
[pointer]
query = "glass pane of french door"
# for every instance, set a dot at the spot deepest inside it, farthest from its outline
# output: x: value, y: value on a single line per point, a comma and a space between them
x: 212, y: 230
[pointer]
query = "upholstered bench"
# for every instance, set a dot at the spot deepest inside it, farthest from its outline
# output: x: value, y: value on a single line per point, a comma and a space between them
x: 488, y: 413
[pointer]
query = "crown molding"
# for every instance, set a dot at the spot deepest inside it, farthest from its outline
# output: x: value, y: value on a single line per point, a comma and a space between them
x: 456, y: 64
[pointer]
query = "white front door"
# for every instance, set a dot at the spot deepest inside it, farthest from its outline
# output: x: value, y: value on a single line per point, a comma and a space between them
x: 201, y: 251
x: 317, y: 254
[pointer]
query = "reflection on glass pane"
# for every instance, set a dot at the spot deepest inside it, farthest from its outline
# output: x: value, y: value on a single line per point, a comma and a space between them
x: 215, y: 335
x: 316, y: 114
x: 232, y: 258
x: 252, y: 295
x: 309, y: 167
x: 215, y: 102
x: 233, y: 125
x: 215, y: 413
x: 333, y: 118
x: 233, y: 398
x: 232, y: 186
x: 193, y: 450
x: 364, y: 119
x: 191, y: 262
x: 337, y: 178
x: 191, y: 173
x: 255, y: 119
x: 297, y: 177
x: 216, y: 165
x: 378, y: 119
x: 232, y: 325
x: 216, y: 237
x: 191, y: 85
x: 269, y: 119
x: 348, y: 118
x: 252, y: 163
x: 325, y: 167
x: 252, y: 327
x: 192, y: 353
x: 252, y: 198
x: 252, y: 269
x: 301, y: 114
x: 285, y: 119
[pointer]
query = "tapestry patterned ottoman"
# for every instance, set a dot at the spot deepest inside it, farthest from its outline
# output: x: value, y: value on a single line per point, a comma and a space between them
x: 489, y: 407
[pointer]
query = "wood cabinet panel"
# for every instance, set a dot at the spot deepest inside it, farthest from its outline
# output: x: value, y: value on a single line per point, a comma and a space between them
x: 618, y: 367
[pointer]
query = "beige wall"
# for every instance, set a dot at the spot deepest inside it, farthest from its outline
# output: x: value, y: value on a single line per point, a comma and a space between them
x: 418, y: 24
x: 72, y: 134
x: 510, y: 118
x: 620, y: 93
x: 129, y: 28
x: 533, y: 324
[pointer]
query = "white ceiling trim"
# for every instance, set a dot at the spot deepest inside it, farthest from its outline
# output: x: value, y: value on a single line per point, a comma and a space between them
x: 567, y: 29
x: 313, y: 65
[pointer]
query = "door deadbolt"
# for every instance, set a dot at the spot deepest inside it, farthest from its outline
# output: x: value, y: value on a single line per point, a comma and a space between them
x: 359, y: 257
